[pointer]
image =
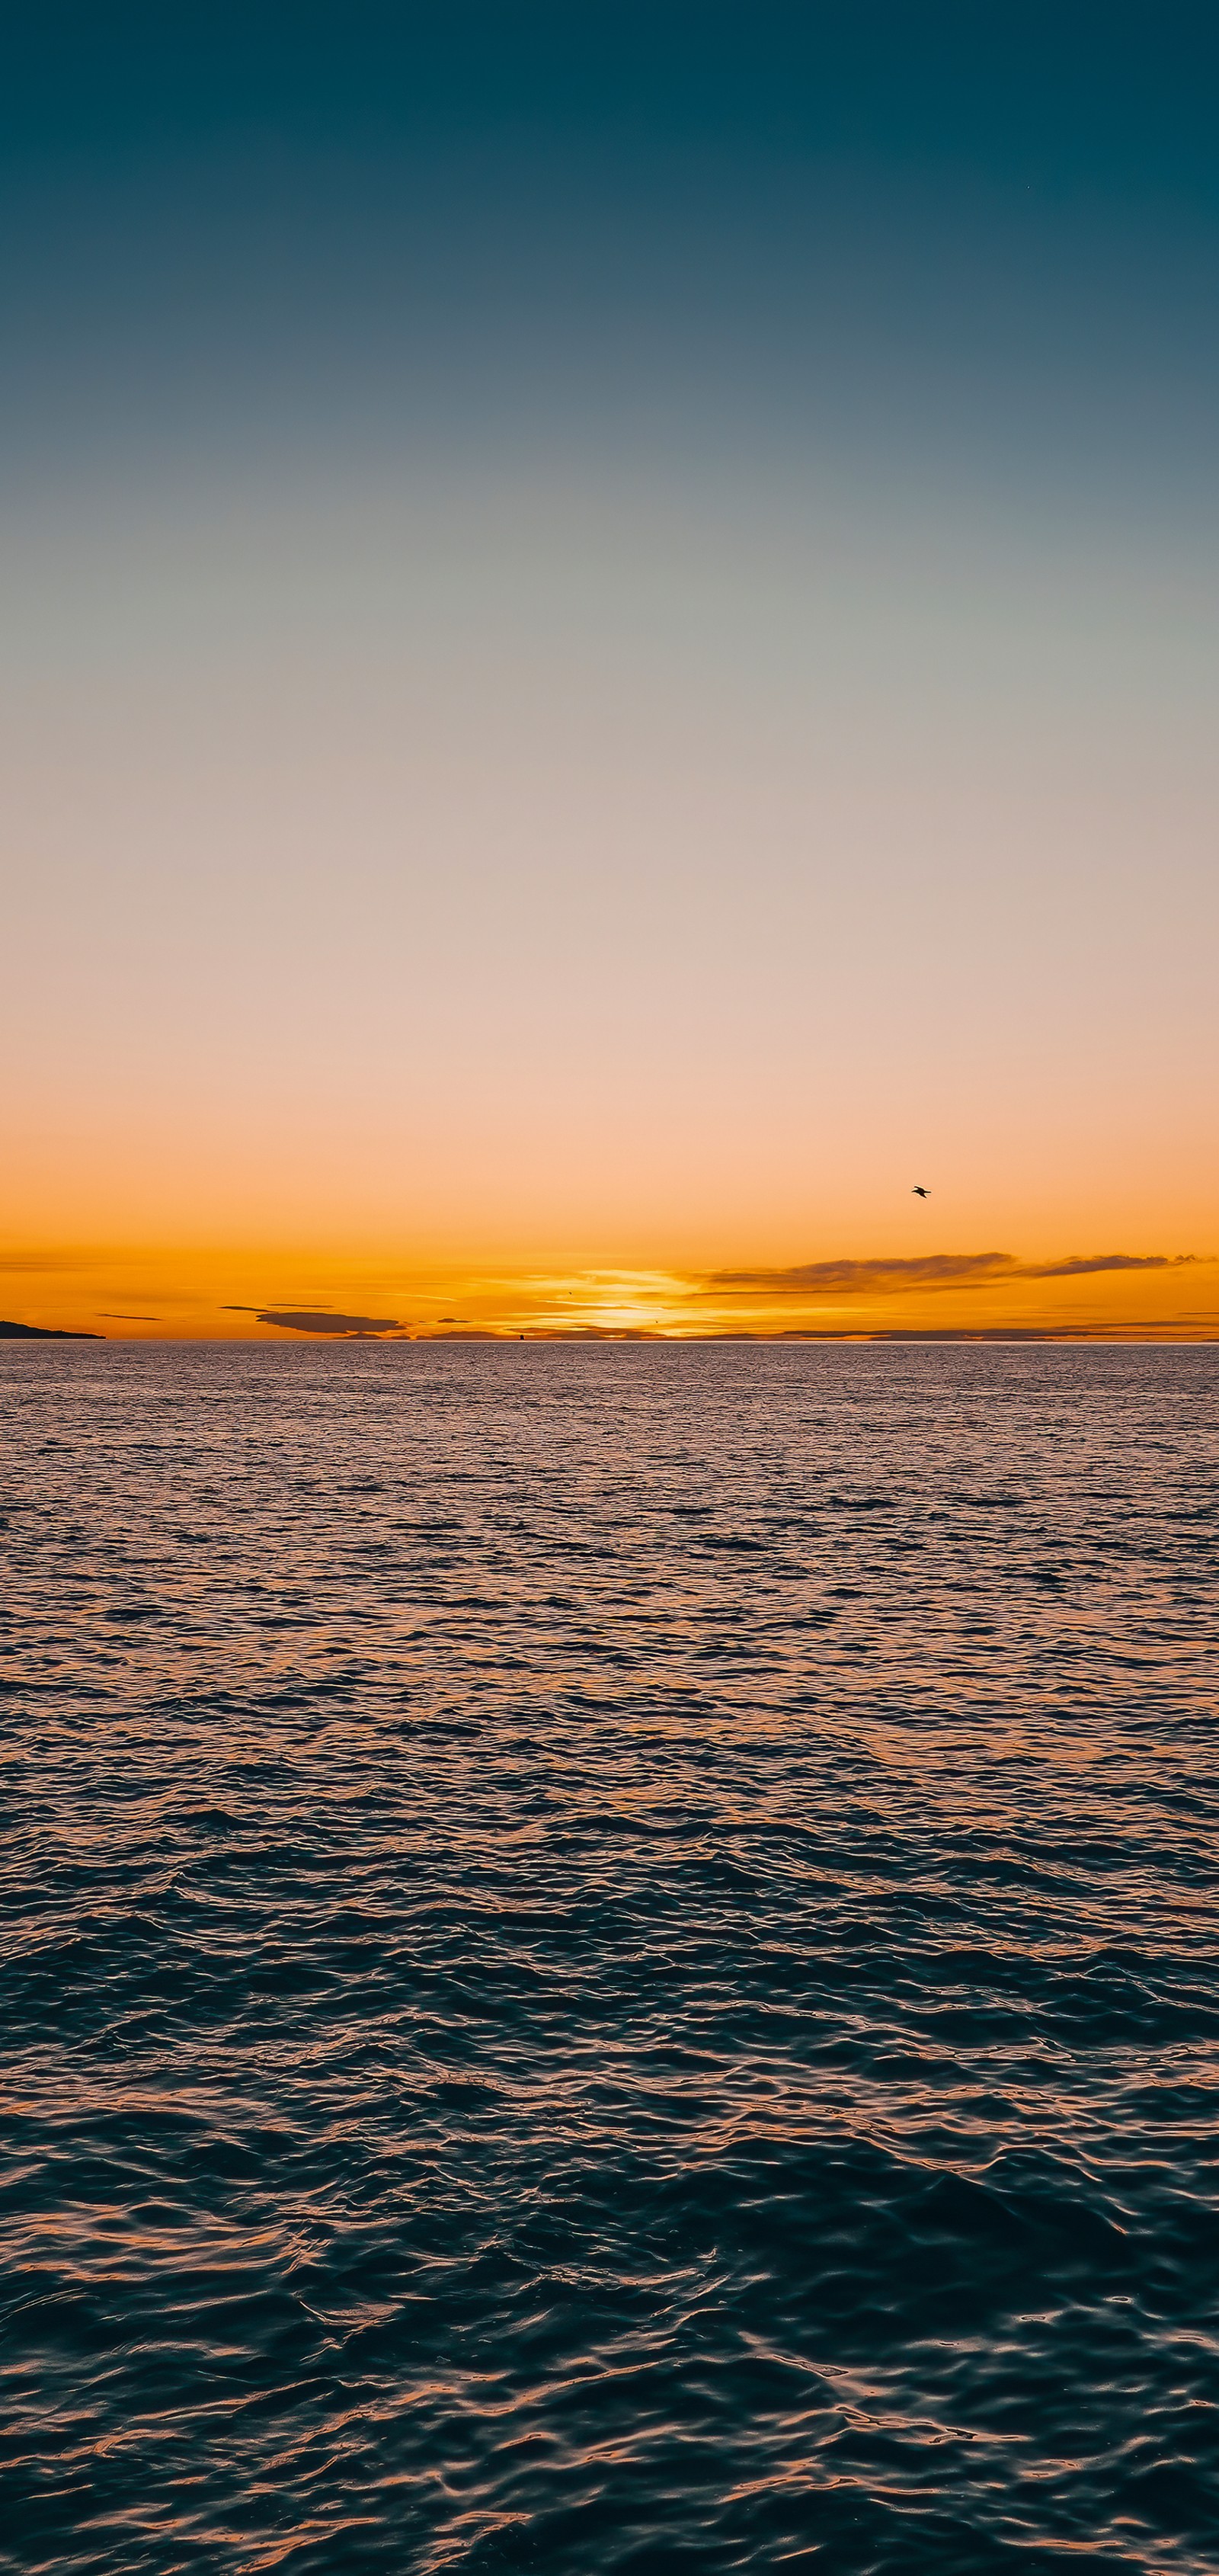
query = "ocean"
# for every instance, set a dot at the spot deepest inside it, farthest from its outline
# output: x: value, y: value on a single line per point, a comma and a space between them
x: 610, y: 1959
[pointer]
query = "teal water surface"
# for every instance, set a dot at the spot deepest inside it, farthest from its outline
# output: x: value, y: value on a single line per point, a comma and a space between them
x: 610, y: 1959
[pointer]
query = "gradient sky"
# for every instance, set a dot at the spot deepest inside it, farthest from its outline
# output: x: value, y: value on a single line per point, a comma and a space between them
x: 609, y: 629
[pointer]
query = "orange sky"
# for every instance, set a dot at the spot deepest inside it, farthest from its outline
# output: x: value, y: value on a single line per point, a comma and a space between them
x: 272, y: 1295
x: 532, y: 895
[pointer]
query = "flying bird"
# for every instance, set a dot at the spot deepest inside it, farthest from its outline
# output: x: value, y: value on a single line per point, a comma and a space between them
x: 918, y: 1192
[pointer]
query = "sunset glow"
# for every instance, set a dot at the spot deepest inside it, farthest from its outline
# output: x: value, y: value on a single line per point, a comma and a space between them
x: 272, y: 1296
x: 573, y: 725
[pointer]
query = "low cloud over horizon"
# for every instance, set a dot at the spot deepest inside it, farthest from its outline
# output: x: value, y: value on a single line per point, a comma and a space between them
x: 1138, y: 1295
x: 318, y: 1319
x: 888, y: 1277
x: 861, y: 1297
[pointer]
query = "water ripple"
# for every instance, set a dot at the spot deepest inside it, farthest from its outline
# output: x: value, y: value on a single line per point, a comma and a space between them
x: 609, y: 1959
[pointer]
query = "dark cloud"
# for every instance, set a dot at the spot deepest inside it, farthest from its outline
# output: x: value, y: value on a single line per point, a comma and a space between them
x: 301, y: 1319
x: 1077, y: 1264
x: 865, y: 1278
x: 35, y: 1263
x: 883, y: 1278
x: 463, y: 1333
x: 106, y: 1317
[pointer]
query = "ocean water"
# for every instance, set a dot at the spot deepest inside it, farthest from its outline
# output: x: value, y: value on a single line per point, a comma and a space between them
x: 610, y: 1959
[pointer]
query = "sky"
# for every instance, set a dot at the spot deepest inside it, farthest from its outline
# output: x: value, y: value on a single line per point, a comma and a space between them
x: 609, y: 642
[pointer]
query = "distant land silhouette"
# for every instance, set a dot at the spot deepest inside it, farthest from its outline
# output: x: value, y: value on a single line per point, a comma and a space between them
x: 42, y: 1333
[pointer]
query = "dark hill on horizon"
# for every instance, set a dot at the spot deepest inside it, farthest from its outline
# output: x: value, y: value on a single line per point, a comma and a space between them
x: 42, y: 1333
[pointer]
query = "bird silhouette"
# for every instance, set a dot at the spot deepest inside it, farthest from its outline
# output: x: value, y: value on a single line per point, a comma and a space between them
x: 918, y: 1192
